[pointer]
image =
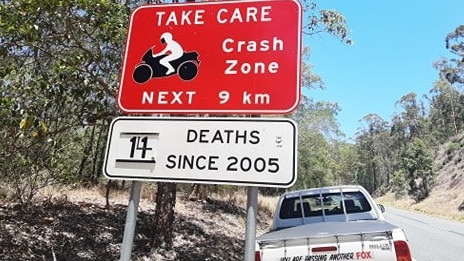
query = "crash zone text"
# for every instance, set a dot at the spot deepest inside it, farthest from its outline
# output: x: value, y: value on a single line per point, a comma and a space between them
x: 232, y: 15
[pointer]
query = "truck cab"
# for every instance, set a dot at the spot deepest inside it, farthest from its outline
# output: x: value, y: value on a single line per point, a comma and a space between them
x: 329, y: 204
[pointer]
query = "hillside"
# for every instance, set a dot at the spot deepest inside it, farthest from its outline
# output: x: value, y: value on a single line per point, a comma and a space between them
x: 447, y: 196
x: 76, y: 226
x: 449, y: 188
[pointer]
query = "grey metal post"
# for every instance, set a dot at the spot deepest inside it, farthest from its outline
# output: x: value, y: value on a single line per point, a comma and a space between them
x: 250, y: 234
x: 131, y: 219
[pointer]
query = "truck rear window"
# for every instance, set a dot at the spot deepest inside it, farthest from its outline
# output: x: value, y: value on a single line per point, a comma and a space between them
x: 331, y: 204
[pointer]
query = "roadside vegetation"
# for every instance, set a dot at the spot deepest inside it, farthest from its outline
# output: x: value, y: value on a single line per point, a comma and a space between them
x: 59, y: 75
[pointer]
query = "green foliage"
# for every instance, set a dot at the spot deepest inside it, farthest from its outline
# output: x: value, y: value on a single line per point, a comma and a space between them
x: 316, y: 154
x: 60, y: 73
x: 398, y: 184
x: 315, y: 166
x: 452, y: 147
x: 348, y: 162
x: 328, y: 21
x: 447, y: 111
x: 417, y: 163
x: 452, y: 69
x: 373, y: 143
x: 447, y: 97
x: 309, y: 79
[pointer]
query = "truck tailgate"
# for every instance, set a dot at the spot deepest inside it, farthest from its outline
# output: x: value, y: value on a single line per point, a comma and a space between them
x: 359, y: 240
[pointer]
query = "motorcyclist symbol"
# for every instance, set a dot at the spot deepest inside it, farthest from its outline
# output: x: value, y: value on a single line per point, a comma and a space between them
x: 172, y: 60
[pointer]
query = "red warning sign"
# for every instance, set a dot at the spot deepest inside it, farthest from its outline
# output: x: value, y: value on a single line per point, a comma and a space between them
x: 213, y: 57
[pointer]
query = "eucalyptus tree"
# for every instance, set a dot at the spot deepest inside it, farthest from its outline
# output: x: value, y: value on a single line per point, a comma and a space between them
x: 408, y: 127
x: 412, y: 116
x: 318, y: 128
x: 452, y: 69
x: 373, y: 143
x: 348, y: 163
x: 447, y: 97
x: 316, y: 125
x: 60, y: 71
x: 446, y: 111
x: 417, y: 161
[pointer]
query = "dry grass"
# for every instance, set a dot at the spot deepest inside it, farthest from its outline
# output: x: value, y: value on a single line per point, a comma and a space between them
x: 74, y: 224
x: 391, y: 200
x: 266, y: 204
x: 442, y: 203
x: 448, y: 192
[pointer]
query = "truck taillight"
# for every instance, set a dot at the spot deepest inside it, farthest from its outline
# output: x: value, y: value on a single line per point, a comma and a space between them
x: 402, y: 251
x: 257, y: 256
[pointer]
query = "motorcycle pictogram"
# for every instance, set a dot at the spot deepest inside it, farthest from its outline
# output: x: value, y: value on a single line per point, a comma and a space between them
x: 186, y: 67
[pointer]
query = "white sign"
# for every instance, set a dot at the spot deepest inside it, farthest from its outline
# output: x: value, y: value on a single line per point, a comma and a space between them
x: 237, y: 151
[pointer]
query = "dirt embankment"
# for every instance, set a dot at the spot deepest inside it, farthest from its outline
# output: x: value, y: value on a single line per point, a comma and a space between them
x: 76, y: 230
x: 447, y: 196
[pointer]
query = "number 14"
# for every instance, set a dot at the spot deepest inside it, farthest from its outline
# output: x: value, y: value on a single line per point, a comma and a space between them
x: 139, y: 143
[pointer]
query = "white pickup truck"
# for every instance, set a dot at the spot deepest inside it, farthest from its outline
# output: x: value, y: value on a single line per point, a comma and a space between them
x: 331, y: 223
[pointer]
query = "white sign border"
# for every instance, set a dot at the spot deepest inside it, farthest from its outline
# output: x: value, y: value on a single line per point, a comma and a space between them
x: 203, y: 180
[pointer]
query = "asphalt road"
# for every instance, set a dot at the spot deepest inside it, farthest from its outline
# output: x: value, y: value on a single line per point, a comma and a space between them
x: 430, y: 238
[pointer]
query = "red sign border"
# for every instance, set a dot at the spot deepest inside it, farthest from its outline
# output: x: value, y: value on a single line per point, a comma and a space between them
x: 212, y: 111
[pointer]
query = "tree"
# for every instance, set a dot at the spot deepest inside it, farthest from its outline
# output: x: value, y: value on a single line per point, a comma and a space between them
x: 447, y: 101
x: 446, y: 112
x: 325, y: 21
x: 373, y: 144
x: 318, y: 128
x: 348, y: 164
x: 164, y: 215
x: 398, y: 183
x: 316, y: 125
x: 418, y: 165
x: 412, y: 117
x: 452, y: 69
x: 58, y: 79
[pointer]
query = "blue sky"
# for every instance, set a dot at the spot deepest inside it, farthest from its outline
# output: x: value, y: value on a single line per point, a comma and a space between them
x: 395, y: 45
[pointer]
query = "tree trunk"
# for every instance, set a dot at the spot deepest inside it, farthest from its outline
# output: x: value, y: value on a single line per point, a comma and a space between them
x: 86, y: 154
x: 374, y: 177
x: 95, y: 173
x: 107, y: 194
x: 164, y: 215
x: 199, y: 192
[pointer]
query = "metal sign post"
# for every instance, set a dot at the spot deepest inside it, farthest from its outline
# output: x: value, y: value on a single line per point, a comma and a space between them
x: 131, y: 220
x: 250, y: 233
